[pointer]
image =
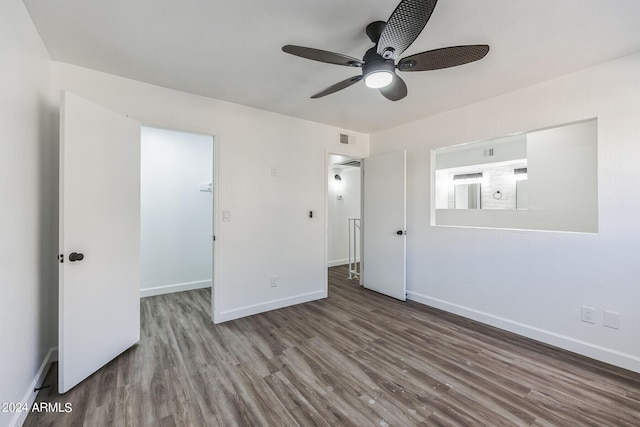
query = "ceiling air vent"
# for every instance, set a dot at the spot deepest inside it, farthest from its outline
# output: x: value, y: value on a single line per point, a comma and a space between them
x: 468, y: 176
x: 487, y: 152
x: 344, y: 139
x: 354, y: 163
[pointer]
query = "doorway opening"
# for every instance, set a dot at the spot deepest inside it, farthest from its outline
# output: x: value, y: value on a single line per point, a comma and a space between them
x: 176, y: 211
x: 344, y: 208
x: 382, y: 245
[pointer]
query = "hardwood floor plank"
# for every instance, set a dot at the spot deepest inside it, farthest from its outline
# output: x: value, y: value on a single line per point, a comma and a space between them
x: 320, y: 396
x: 356, y: 358
x: 297, y: 406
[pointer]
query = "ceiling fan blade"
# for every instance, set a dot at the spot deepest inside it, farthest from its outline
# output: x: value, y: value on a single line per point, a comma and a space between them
x: 338, y: 86
x: 322, y: 55
x: 443, y: 58
x: 403, y: 26
x: 396, y: 90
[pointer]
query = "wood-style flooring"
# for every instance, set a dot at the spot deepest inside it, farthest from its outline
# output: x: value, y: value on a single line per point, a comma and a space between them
x: 356, y: 358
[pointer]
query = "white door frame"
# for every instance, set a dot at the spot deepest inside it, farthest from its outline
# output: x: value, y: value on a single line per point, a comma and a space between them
x: 327, y: 154
x: 216, y: 194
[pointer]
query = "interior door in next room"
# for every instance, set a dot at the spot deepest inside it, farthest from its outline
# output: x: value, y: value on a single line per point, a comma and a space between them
x: 384, y: 224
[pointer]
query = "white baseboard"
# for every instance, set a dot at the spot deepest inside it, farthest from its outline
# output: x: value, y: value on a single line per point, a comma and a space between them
x: 30, y: 396
x: 169, y: 289
x: 339, y: 262
x: 593, y: 351
x: 249, y: 310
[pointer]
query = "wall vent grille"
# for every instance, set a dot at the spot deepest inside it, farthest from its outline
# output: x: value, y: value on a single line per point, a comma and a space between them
x: 468, y: 176
x: 354, y: 163
x: 344, y: 139
x: 487, y: 152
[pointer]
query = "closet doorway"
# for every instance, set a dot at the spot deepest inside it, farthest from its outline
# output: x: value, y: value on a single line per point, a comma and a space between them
x: 176, y: 211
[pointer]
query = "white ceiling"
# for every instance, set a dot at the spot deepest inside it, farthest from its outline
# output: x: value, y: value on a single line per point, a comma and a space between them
x: 231, y: 50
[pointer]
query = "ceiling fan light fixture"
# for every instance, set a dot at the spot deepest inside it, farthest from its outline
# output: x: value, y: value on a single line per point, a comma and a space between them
x: 377, y: 73
x: 378, y: 79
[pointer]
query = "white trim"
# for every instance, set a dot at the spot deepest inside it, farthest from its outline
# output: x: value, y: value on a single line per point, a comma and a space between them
x: 340, y: 262
x: 249, y: 310
x: 30, y: 396
x: 325, y: 234
x: 179, y: 287
x: 603, y: 354
x: 216, y: 226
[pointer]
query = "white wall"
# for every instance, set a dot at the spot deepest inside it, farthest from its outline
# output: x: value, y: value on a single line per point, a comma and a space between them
x: 176, y: 217
x: 339, y: 213
x: 269, y: 232
x: 28, y: 215
x: 563, y: 176
x: 534, y: 283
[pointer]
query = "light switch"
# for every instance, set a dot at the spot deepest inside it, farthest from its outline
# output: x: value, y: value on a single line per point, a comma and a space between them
x: 226, y: 216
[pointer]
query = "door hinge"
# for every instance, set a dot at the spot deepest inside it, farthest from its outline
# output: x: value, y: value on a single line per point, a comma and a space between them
x: 61, y: 258
x: 214, y: 237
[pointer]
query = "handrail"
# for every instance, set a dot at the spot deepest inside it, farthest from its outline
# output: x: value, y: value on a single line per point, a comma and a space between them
x: 354, y: 238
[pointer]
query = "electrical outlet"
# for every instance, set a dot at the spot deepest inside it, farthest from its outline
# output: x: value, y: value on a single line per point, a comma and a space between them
x: 588, y: 314
x: 274, y: 281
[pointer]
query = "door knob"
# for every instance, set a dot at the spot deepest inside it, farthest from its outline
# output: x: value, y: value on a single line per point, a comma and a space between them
x: 75, y: 256
x: 399, y: 232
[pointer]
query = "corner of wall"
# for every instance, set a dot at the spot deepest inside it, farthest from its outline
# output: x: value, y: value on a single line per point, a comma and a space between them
x: 250, y: 310
x: 38, y: 381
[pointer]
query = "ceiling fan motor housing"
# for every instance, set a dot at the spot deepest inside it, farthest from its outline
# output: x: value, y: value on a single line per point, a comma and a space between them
x: 374, y: 62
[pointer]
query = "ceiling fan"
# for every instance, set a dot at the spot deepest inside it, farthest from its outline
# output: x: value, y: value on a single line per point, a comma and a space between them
x: 391, y: 38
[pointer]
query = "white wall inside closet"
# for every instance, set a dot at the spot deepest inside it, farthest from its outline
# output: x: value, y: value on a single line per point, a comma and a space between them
x: 176, y: 227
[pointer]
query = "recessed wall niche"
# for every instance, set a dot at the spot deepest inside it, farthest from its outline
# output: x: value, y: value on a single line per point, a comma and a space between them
x: 545, y: 179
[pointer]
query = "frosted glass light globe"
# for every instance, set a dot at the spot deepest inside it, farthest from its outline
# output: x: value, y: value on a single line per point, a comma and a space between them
x: 378, y: 79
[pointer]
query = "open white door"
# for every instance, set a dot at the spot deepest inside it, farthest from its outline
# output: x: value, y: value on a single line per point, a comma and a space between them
x: 99, y: 302
x: 384, y: 224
